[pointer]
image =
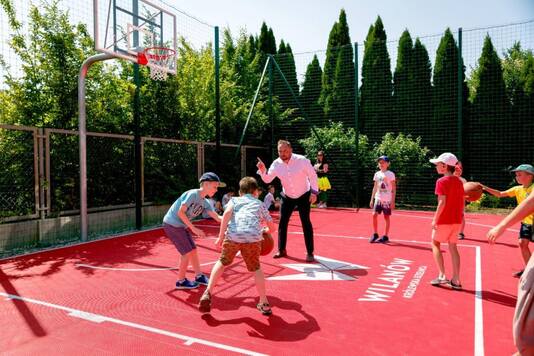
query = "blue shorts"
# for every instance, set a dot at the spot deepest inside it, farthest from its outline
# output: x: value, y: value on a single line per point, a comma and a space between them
x: 382, y: 207
x: 180, y: 237
x: 525, y: 232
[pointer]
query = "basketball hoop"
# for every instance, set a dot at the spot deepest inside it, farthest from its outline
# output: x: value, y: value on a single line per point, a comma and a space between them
x: 160, y: 60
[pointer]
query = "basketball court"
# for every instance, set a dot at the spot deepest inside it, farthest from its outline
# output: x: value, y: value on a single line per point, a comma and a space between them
x: 117, y: 296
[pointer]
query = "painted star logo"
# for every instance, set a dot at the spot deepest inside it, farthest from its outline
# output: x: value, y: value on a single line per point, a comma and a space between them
x: 326, y: 269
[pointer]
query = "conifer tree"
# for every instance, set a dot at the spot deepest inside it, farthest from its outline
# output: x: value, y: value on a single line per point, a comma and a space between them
x: 311, y: 91
x: 376, y: 89
x: 491, y: 136
x: 403, y: 86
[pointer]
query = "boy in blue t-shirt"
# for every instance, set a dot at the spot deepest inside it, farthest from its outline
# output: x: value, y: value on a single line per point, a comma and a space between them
x: 241, y: 231
x: 178, y: 227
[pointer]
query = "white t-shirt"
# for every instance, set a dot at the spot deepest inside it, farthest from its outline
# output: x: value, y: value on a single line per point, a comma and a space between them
x: 384, y: 183
x: 268, y: 200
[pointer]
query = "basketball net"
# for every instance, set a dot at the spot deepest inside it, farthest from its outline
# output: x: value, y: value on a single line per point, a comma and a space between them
x: 160, y: 59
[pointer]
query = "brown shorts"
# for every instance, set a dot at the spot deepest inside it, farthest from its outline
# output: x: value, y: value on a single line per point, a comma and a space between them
x: 250, y: 252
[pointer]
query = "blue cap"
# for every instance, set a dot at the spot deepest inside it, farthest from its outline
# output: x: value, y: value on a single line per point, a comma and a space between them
x: 524, y: 168
x: 211, y: 177
x: 383, y: 158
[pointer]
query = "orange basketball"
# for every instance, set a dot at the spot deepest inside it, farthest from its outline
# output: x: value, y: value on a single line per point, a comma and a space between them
x: 267, y: 244
x: 473, y: 191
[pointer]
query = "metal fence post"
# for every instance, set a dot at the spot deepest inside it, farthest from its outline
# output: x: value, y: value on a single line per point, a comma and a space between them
x: 356, y: 126
x: 460, y: 143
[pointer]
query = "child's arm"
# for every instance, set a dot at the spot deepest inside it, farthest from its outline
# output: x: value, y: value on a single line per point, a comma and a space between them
x: 227, y: 215
x: 494, y: 192
x: 393, y: 193
x: 373, y: 195
x: 439, y: 210
x: 215, y: 216
x: 183, y: 216
x: 520, y: 212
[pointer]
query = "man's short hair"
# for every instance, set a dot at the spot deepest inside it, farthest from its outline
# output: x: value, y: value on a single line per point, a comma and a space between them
x: 283, y: 142
x: 248, y: 185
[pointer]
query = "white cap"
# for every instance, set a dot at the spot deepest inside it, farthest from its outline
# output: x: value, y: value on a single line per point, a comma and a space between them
x: 448, y: 158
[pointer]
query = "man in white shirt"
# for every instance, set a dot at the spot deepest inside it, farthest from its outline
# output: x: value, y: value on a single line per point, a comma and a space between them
x: 299, y: 189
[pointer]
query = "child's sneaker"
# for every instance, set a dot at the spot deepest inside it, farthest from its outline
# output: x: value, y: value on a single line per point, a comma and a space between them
x: 384, y: 239
x: 202, y: 279
x: 439, y: 280
x: 373, y: 238
x: 186, y: 284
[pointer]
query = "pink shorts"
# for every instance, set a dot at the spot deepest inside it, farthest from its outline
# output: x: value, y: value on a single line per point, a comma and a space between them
x: 446, y: 233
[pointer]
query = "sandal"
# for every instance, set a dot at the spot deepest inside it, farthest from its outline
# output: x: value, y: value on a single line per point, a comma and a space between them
x: 265, y: 308
x: 204, y: 305
x: 455, y: 286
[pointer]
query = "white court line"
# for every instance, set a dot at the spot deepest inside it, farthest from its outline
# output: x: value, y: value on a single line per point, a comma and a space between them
x: 479, y: 324
x: 431, y: 217
x: 479, y: 321
x: 97, y: 318
x: 135, y: 269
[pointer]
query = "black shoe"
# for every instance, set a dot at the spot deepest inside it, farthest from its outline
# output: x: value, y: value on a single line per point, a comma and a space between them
x: 310, y: 258
x: 461, y: 236
x: 384, y: 239
x: 373, y: 238
x: 519, y: 274
x: 280, y: 254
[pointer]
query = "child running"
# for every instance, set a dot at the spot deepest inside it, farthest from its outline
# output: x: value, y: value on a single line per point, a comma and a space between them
x: 241, y: 230
x: 384, y: 197
x: 178, y: 227
x: 524, y: 175
x: 448, y: 218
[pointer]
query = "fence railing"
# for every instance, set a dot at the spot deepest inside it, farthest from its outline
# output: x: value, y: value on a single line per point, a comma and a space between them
x: 40, y: 173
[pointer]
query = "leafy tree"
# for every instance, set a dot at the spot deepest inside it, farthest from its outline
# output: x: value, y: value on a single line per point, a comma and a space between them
x: 376, y: 88
x: 518, y: 75
x: 340, y: 151
x: 409, y: 161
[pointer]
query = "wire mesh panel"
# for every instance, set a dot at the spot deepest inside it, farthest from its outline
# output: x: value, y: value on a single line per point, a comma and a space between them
x: 18, y: 157
x: 230, y: 167
x: 500, y: 122
x: 170, y: 168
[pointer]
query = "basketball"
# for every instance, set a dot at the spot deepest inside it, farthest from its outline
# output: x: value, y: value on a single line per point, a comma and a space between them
x: 267, y: 244
x: 473, y: 191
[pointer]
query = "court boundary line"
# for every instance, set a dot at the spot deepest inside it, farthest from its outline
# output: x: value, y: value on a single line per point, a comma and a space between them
x: 98, y: 318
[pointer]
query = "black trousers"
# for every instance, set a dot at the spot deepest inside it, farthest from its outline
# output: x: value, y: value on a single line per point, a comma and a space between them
x: 286, y: 209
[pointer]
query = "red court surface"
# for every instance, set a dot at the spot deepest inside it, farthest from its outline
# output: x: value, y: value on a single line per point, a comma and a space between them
x: 117, y: 296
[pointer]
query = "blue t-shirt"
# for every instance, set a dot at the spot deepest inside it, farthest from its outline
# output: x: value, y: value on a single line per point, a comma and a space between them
x: 245, y: 224
x: 195, y: 206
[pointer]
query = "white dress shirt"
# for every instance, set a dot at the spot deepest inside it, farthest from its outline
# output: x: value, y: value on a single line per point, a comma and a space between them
x: 297, y: 176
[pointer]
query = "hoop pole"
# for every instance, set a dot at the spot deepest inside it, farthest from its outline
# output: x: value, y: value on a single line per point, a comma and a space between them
x: 217, y: 105
x: 83, y: 138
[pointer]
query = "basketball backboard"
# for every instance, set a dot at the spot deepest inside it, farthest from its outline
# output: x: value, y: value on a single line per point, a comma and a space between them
x: 125, y: 28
